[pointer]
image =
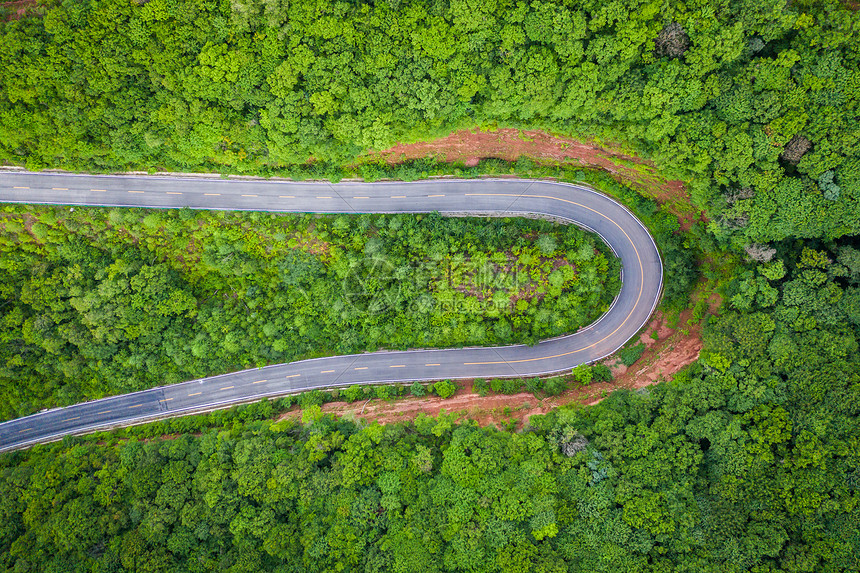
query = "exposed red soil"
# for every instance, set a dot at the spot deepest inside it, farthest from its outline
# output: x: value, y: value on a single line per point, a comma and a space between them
x: 468, y: 147
x: 671, y: 351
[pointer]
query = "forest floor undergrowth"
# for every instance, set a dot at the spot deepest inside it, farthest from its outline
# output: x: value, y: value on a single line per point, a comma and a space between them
x: 669, y: 350
x: 17, y: 9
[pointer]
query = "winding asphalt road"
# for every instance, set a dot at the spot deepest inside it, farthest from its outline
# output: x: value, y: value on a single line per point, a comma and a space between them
x: 642, y: 276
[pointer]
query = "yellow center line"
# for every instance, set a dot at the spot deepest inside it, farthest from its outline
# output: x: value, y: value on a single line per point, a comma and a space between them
x: 60, y: 188
x: 212, y: 194
x: 20, y: 188
x: 432, y: 365
x: 99, y: 190
x: 362, y: 368
x: 104, y: 412
x: 227, y: 388
x: 397, y: 366
x: 136, y: 406
x: 248, y: 195
x: 293, y: 376
x: 287, y: 196
x: 435, y: 195
x: 638, y: 297
x: 361, y: 197
x: 25, y: 430
x: 70, y: 419
x: 259, y: 381
x: 326, y: 371
x: 172, y: 193
x: 166, y: 400
x: 398, y: 196
x: 196, y: 394
x: 324, y: 197
x: 135, y: 191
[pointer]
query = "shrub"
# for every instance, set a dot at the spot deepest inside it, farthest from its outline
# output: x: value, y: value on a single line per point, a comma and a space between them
x: 311, y: 414
x: 601, y: 373
x: 555, y: 386
x: 481, y: 386
x: 311, y: 398
x: 444, y: 388
x: 417, y: 389
x: 631, y: 354
x: 534, y: 385
x: 506, y: 385
x: 583, y: 374
x: 353, y: 393
x: 383, y: 392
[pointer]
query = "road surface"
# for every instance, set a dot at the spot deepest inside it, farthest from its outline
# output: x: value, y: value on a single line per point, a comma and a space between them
x: 642, y: 277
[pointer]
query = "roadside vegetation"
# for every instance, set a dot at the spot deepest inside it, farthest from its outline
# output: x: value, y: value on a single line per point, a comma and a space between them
x: 107, y: 301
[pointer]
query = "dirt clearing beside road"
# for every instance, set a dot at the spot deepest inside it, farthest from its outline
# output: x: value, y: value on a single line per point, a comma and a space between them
x: 671, y: 350
x: 468, y: 147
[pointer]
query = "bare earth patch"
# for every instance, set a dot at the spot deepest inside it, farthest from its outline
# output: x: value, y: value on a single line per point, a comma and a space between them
x: 668, y: 353
x: 468, y: 147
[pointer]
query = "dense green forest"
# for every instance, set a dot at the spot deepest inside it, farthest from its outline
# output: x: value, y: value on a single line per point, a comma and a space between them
x: 754, y: 103
x: 747, y: 461
x: 107, y: 301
